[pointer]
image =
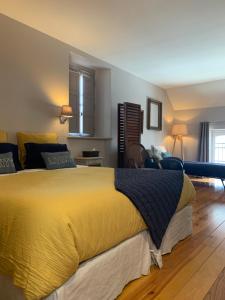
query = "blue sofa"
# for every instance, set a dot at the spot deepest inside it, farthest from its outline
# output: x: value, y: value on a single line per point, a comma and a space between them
x: 205, y: 169
x: 169, y: 163
x: 195, y: 168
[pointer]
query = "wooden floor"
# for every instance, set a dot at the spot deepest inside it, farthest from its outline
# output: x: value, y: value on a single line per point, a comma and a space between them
x: 196, y: 265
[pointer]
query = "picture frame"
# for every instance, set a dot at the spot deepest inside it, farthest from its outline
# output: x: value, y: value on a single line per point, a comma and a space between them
x: 154, y: 114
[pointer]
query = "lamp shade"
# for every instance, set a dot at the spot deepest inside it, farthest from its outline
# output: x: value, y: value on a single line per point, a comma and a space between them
x: 67, y: 111
x: 179, y: 129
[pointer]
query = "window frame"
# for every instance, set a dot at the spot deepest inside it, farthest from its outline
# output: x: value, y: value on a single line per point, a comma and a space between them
x: 82, y: 72
x: 214, y: 132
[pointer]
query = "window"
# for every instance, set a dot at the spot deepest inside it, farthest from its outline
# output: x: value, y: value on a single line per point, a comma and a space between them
x: 217, y: 145
x: 81, y: 93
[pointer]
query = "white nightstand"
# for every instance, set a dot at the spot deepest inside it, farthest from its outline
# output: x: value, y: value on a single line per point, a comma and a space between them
x: 89, y: 161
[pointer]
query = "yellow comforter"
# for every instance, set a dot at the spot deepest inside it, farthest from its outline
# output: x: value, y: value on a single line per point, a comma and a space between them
x: 50, y: 221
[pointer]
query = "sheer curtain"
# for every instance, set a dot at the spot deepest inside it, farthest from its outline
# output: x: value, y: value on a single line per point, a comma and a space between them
x: 204, y: 142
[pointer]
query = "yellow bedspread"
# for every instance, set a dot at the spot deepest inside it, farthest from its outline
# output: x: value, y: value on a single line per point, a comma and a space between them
x: 50, y: 221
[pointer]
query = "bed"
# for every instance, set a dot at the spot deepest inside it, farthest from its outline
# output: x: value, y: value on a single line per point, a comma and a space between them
x: 44, y: 255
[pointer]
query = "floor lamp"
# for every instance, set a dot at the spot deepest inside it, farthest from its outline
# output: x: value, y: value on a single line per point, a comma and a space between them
x: 178, y: 131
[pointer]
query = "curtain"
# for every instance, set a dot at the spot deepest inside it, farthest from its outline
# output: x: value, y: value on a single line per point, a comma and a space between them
x: 204, y: 142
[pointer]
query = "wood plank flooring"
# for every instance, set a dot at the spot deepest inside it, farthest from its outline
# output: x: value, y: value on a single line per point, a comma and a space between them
x: 195, y: 268
x: 217, y: 291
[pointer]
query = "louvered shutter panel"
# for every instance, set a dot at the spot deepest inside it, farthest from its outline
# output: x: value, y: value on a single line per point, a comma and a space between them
x: 132, y: 123
x: 129, y: 129
x: 121, y: 135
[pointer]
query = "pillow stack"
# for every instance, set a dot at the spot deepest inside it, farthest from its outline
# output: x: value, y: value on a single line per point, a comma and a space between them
x: 40, y: 138
x: 39, y: 150
x: 34, y: 159
x: 6, y: 163
x: 158, y: 153
x: 9, y: 159
x: 3, y: 137
x: 34, y: 151
x: 50, y: 156
x: 13, y: 149
x: 58, y: 160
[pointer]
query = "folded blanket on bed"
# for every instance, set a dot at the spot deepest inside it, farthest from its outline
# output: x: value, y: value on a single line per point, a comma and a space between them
x: 155, y: 193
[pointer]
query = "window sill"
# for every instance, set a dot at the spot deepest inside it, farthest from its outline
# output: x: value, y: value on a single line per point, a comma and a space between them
x: 89, y: 138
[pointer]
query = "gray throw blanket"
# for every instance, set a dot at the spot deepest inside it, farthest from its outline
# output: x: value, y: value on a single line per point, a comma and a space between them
x: 155, y: 193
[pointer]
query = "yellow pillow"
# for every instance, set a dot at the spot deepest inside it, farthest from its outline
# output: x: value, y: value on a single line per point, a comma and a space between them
x: 40, y: 138
x: 3, y: 137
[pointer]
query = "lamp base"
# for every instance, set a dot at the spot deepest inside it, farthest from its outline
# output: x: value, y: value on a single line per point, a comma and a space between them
x: 180, y: 138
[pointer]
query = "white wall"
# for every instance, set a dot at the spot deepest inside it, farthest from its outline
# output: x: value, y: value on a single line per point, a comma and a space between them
x: 127, y: 88
x: 197, y: 96
x: 194, y: 104
x: 103, y: 103
x: 193, y: 118
x: 34, y: 79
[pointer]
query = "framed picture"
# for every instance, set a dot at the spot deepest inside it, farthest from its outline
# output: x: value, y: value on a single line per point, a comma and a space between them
x: 154, y: 114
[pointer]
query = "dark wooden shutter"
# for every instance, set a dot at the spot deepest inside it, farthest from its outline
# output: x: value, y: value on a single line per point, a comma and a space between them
x: 129, y: 129
x: 121, y: 135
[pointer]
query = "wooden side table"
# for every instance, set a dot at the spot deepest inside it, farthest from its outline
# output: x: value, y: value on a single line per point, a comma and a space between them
x: 89, y: 161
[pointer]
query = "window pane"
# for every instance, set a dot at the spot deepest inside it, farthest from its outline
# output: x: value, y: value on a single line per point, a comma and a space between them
x: 219, y: 148
x: 74, y: 100
x: 88, y: 104
x: 82, y: 100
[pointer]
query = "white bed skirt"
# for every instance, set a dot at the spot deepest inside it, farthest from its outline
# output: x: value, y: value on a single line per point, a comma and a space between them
x: 104, y: 276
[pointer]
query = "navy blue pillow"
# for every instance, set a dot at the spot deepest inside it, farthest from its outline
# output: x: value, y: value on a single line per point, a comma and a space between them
x: 34, y: 158
x: 150, y: 163
x: 6, y: 148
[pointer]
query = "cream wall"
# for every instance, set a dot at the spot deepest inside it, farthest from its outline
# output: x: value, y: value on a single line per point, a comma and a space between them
x: 126, y: 87
x: 34, y: 82
x: 34, y: 77
x: 198, y: 96
x: 193, y: 118
x: 194, y: 104
x: 103, y: 102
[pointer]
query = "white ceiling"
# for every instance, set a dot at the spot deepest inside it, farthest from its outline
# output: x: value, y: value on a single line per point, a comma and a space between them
x: 170, y: 43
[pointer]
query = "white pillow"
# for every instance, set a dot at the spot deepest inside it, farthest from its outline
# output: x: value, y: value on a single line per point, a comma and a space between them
x: 156, y: 154
x: 160, y: 148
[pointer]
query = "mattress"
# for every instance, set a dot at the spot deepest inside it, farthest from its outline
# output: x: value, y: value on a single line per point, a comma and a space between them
x: 64, y: 218
x: 105, y: 276
x: 34, y: 170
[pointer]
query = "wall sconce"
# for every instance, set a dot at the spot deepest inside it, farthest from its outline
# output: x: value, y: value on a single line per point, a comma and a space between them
x: 178, y: 131
x: 66, y: 113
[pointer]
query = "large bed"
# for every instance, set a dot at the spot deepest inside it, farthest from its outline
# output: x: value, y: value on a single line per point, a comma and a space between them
x: 68, y: 234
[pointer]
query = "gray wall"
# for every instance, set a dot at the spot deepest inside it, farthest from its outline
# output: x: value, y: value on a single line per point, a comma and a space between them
x: 197, y: 96
x: 103, y: 102
x: 126, y: 87
x: 193, y: 118
x: 34, y: 83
